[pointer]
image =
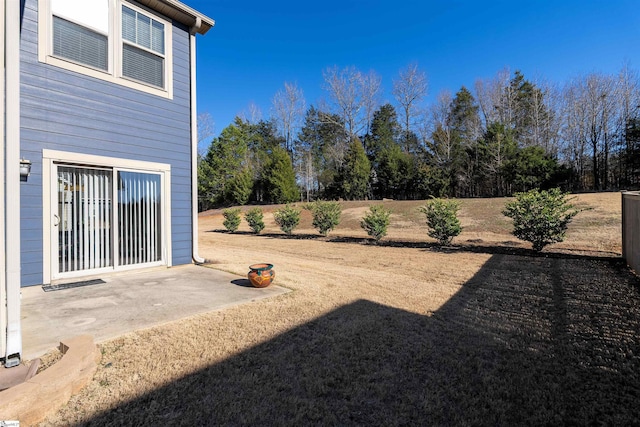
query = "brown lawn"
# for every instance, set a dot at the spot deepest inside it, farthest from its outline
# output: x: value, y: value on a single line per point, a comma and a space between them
x: 398, y: 333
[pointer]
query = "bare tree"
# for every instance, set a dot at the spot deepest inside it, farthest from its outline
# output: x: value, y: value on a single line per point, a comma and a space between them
x: 489, y: 93
x: 589, y: 117
x: 354, y: 97
x: 409, y: 89
x: 552, y: 123
x: 538, y: 123
x: 307, y: 172
x: 288, y: 109
x: 598, y: 98
x: 206, y: 129
x: 574, y: 128
x: 371, y: 88
x: 345, y: 91
x: 252, y: 114
x: 628, y: 104
x: 438, y: 129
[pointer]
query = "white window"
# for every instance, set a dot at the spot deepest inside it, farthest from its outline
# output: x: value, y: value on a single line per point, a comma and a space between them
x: 81, y: 32
x: 142, y: 47
x: 112, y: 40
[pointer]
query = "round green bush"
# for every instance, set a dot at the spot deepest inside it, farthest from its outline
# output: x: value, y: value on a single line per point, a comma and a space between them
x: 442, y: 219
x: 326, y: 215
x: 231, y: 219
x: 540, y: 217
x: 376, y: 221
x: 254, y: 218
x: 287, y: 218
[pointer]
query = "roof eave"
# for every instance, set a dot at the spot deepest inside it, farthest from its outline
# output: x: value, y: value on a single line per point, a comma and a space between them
x: 182, y: 13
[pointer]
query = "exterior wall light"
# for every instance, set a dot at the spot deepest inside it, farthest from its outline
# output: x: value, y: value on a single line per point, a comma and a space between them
x: 25, y: 169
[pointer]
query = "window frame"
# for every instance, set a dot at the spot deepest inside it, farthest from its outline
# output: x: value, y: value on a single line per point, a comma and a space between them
x: 114, y: 72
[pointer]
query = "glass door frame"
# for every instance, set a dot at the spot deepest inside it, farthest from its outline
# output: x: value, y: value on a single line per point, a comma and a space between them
x: 51, y: 160
x: 85, y: 238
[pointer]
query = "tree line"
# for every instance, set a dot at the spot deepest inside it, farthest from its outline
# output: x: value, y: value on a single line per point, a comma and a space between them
x: 509, y: 134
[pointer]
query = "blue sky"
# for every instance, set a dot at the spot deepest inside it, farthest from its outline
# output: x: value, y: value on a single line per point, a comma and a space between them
x: 256, y: 46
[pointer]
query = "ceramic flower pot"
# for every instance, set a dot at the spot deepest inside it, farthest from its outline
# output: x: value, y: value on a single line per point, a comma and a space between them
x: 261, y: 275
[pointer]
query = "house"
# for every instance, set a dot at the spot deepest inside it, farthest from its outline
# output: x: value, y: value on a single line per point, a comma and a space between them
x: 99, y: 104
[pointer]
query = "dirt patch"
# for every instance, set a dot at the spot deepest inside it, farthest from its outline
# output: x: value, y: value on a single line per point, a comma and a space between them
x: 485, y: 332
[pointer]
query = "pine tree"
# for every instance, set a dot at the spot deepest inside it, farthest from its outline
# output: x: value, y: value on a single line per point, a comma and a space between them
x: 385, y: 154
x: 465, y: 124
x: 385, y: 131
x: 226, y: 156
x: 394, y: 172
x: 280, y: 178
x: 354, y: 176
x: 240, y: 187
x: 322, y: 140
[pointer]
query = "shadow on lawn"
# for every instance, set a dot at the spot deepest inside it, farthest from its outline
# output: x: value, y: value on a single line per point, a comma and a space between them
x: 534, y: 341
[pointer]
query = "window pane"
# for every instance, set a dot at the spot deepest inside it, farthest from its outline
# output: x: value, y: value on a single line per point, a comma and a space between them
x: 157, y: 37
x: 84, y: 209
x: 143, y: 34
x: 79, y: 44
x: 128, y: 24
x: 143, y: 66
x: 140, y: 29
x: 139, y: 218
x: 90, y: 13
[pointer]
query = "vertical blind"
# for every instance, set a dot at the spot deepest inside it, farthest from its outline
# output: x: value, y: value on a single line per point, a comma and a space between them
x: 84, y: 215
x: 139, y: 223
x: 80, y: 44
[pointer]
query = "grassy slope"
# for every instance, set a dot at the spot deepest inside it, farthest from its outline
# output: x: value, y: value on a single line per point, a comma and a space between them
x: 597, y: 228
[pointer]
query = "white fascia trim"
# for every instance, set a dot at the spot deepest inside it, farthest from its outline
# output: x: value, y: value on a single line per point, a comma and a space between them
x: 12, y: 181
x: 194, y: 151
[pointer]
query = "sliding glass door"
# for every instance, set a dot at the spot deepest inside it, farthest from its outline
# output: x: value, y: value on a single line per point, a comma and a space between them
x: 84, y: 219
x: 106, y: 218
x: 139, y: 212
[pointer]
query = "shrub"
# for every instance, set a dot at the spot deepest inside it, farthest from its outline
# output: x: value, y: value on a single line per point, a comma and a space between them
x: 540, y: 217
x: 231, y: 219
x: 326, y: 215
x: 254, y: 219
x: 376, y: 221
x: 442, y: 219
x: 287, y: 218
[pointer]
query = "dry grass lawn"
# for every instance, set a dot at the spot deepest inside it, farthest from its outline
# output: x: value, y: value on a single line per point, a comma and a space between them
x: 397, y: 333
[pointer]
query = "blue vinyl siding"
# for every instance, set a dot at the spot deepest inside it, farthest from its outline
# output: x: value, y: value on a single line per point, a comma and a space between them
x: 66, y: 111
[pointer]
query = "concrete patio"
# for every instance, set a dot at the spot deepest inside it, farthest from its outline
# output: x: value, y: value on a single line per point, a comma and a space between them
x: 127, y: 302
